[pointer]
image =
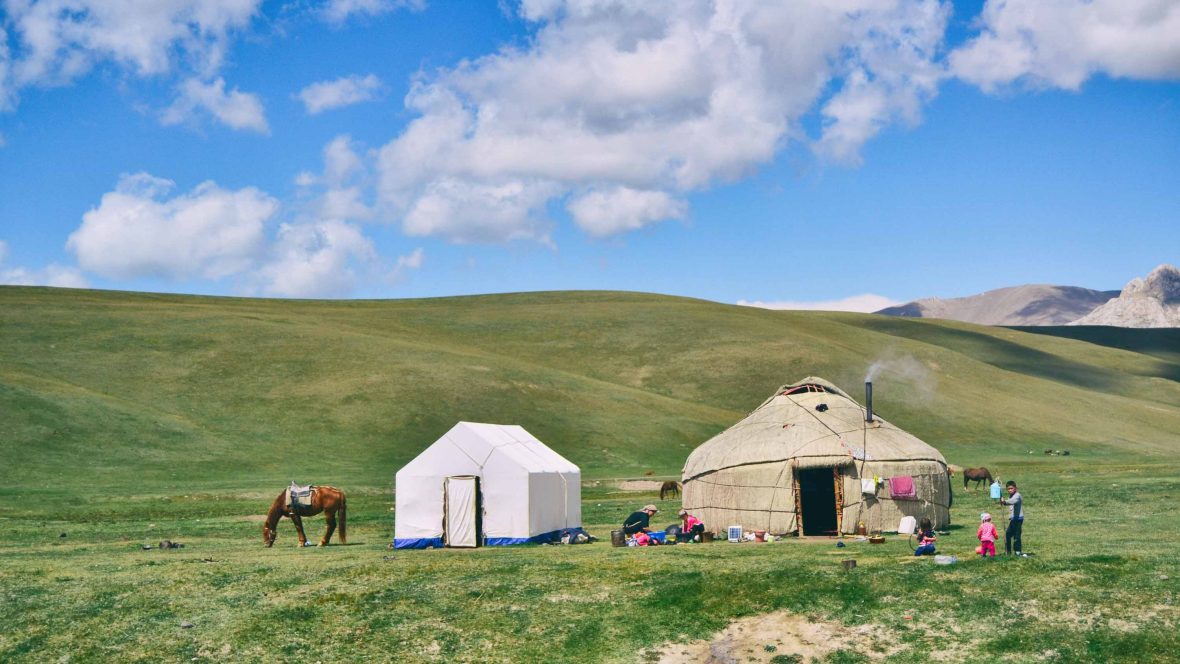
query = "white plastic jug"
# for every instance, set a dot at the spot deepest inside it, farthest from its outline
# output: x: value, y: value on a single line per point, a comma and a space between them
x: 907, y: 525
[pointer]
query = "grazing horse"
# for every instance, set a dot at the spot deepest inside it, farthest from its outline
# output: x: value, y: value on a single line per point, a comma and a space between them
x: 670, y: 488
x: 977, y: 474
x: 326, y: 499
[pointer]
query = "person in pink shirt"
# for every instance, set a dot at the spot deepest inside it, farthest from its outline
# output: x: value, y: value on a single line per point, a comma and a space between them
x: 987, y: 536
x: 692, y: 527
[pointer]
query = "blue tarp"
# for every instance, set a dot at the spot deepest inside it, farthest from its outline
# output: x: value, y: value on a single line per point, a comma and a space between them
x: 543, y: 538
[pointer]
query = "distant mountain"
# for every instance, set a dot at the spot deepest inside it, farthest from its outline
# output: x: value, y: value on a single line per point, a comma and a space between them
x: 1150, y: 302
x: 1018, y: 305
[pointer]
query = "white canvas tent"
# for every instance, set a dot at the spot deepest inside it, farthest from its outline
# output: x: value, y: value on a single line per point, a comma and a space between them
x: 486, y: 484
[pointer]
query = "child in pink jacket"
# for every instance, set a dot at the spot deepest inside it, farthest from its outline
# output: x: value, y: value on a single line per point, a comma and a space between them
x: 987, y: 536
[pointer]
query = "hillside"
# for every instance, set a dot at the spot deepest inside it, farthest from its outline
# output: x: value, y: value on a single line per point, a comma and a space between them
x: 1018, y: 305
x: 163, y: 390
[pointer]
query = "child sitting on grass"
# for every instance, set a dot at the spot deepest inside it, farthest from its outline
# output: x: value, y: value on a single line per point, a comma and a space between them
x: 987, y: 536
x: 926, y: 538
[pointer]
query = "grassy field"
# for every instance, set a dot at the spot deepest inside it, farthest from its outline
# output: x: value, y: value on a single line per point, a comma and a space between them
x: 127, y: 418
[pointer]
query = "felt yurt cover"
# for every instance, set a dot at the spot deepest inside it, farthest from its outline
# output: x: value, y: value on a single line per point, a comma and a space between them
x: 758, y: 472
x: 486, y: 484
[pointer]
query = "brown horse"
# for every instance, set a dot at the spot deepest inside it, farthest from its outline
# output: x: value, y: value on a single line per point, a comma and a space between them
x: 977, y: 474
x: 669, y: 488
x: 326, y: 499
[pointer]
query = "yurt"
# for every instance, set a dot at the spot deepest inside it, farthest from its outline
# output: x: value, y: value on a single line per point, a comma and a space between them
x: 486, y: 485
x: 812, y: 461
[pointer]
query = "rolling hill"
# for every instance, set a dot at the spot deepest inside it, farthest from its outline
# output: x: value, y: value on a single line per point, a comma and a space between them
x: 122, y: 389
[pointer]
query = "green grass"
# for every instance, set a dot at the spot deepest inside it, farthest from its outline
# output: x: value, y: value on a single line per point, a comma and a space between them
x: 130, y: 418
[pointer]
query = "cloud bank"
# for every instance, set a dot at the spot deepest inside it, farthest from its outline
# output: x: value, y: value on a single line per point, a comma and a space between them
x: 52, y: 275
x: 866, y: 303
x: 136, y: 231
x: 1062, y: 43
x: 55, y: 42
x: 617, y: 110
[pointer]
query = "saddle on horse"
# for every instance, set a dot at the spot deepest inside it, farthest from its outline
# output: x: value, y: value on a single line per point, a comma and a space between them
x: 299, y: 497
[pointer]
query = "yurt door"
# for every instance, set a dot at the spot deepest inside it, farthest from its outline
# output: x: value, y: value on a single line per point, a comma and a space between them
x: 461, y: 520
x: 817, y: 497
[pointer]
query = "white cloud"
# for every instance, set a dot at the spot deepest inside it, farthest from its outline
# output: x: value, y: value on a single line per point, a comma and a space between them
x: 467, y: 211
x: 51, y: 275
x: 602, y: 213
x: 322, y: 253
x: 57, y: 41
x: 339, y: 192
x: 1062, y: 43
x: 628, y: 96
x: 345, y: 91
x: 866, y: 303
x: 235, y: 109
x: 327, y: 259
x: 135, y: 232
x: 337, y: 11
x: 413, y: 261
x: 321, y: 259
x: 7, y: 88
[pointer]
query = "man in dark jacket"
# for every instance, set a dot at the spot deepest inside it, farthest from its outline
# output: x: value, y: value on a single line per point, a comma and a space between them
x: 639, y: 521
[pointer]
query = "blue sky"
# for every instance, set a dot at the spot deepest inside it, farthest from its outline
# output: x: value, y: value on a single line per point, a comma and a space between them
x: 844, y: 155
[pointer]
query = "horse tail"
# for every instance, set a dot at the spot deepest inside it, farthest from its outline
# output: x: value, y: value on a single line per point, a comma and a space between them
x: 343, y: 519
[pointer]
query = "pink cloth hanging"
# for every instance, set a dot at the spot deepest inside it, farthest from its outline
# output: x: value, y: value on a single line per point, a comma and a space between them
x: 902, y: 487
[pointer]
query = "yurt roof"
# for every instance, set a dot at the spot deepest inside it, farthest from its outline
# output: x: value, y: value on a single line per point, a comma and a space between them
x: 787, y: 426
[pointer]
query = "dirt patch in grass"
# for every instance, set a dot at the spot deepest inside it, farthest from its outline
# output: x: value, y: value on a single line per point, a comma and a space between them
x: 780, y: 637
x: 639, y: 485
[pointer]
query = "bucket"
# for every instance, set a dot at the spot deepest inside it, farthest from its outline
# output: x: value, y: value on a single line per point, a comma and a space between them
x: 907, y: 525
x: 706, y: 537
x: 618, y: 538
x: 759, y: 535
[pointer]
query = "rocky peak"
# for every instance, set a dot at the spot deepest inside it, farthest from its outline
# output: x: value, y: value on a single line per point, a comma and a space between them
x: 1153, y: 301
x: 1162, y: 284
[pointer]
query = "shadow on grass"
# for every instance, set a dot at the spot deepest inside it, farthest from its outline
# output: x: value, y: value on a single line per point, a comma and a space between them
x: 1161, y: 343
x: 1000, y: 353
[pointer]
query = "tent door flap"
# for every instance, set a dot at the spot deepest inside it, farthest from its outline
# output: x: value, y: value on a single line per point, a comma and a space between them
x: 461, y: 511
x: 818, y: 501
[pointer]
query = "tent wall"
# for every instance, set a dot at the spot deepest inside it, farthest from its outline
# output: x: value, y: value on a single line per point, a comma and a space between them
x: 762, y: 496
x: 881, y: 512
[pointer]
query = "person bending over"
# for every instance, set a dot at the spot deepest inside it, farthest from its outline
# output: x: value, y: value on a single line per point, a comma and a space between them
x: 691, y: 527
x: 639, y: 521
